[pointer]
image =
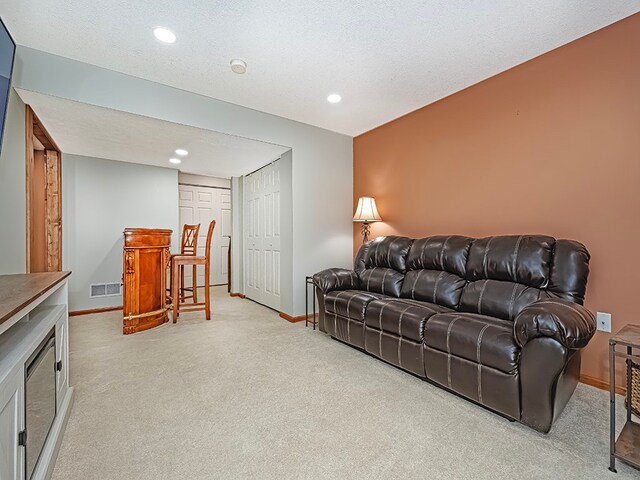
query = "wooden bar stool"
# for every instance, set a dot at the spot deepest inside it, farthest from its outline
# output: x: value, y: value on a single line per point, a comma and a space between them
x: 188, y: 246
x: 181, y: 261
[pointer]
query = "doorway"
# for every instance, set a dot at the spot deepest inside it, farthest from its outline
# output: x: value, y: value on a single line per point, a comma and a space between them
x: 200, y: 205
x: 44, y: 198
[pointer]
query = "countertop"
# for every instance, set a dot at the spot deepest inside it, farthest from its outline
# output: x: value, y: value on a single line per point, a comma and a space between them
x: 18, y: 291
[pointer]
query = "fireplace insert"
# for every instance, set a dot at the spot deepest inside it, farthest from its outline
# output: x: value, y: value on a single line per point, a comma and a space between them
x: 40, y: 400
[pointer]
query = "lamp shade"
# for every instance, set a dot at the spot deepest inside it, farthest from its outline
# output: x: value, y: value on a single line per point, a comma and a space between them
x: 366, y: 210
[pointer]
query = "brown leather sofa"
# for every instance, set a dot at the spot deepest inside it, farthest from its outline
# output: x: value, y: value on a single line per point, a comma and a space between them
x: 498, y: 320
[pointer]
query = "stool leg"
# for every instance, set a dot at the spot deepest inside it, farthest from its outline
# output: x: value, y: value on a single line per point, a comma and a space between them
x: 182, y: 295
x: 194, y: 284
x: 175, y: 272
x: 207, y: 292
x: 171, y: 280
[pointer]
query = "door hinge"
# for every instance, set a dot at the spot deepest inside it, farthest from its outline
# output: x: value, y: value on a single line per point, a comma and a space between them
x: 22, y: 438
x: 59, y: 366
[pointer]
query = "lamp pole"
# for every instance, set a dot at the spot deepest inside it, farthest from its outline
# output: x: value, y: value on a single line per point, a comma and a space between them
x: 366, y: 227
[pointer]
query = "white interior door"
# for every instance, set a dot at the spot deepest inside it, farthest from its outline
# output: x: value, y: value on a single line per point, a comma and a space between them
x: 253, y: 236
x: 262, y: 235
x: 201, y: 205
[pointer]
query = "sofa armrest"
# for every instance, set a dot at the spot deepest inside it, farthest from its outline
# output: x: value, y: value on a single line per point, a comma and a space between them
x: 569, y: 323
x: 336, y: 279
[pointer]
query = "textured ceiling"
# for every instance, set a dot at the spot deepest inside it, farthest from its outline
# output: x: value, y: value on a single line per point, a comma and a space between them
x: 385, y: 58
x: 92, y: 131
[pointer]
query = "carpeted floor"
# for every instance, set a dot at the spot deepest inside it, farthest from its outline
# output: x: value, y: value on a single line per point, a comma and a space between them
x: 248, y: 395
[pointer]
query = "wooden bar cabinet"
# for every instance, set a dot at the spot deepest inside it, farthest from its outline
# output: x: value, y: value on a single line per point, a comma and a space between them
x: 146, y: 257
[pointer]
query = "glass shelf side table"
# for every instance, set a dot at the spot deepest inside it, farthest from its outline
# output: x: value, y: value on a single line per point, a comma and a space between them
x: 314, y: 319
x: 627, y: 446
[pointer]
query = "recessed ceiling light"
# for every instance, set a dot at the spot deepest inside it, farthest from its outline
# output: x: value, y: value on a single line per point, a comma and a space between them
x: 164, y: 35
x: 334, y: 98
x: 238, y: 66
x: 175, y: 160
x: 182, y: 152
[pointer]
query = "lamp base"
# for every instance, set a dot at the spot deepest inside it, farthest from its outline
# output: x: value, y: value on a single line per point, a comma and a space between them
x: 366, y: 227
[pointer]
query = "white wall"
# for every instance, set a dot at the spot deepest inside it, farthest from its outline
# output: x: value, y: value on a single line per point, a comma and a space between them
x: 286, y: 229
x: 13, y: 194
x: 237, y: 244
x: 322, y: 173
x: 100, y: 198
x: 203, y: 181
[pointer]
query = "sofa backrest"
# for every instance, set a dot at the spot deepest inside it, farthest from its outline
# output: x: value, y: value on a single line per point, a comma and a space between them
x: 381, y: 264
x: 505, y: 274
x: 436, y: 270
x: 496, y: 276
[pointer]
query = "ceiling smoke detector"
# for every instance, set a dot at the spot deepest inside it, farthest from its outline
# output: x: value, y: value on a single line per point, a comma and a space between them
x: 238, y: 66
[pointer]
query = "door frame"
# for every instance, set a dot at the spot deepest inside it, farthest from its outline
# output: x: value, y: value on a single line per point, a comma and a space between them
x: 35, y: 128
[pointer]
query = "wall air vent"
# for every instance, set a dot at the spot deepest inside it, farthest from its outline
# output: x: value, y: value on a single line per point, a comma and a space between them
x: 106, y: 289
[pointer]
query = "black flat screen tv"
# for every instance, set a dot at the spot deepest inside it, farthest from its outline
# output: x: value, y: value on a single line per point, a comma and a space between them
x: 7, y: 54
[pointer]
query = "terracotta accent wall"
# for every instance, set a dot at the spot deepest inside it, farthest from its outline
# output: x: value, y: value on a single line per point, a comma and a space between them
x: 551, y: 146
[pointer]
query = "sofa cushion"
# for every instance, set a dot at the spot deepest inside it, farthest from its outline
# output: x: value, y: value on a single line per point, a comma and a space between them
x: 436, y: 269
x: 444, y: 253
x: 524, y: 259
x: 478, y: 338
x: 386, y: 281
x: 388, y: 252
x: 506, y: 274
x: 402, y: 317
x: 349, y: 303
x: 499, y: 299
x: 434, y: 286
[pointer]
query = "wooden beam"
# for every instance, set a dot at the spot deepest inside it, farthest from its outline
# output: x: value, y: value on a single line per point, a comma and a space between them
x: 41, y: 133
x: 28, y: 115
x: 34, y: 130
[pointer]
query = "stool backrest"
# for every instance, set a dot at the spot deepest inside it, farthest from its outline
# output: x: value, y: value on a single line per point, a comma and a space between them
x: 207, y: 253
x: 189, y: 244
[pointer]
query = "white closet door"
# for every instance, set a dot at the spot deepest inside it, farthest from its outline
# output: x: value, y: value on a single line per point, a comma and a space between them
x: 253, y: 236
x: 262, y: 235
x: 201, y: 205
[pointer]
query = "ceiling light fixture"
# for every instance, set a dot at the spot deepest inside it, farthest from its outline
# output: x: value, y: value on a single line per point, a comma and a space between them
x: 182, y: 152
x: 334, y: 98
x: 238, y: 66
x: 164, y: 35
x: 175, y: 161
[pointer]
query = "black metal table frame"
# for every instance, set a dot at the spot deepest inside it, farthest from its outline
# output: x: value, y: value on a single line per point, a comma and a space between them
x: 314, y: 322
x: 629, y: 357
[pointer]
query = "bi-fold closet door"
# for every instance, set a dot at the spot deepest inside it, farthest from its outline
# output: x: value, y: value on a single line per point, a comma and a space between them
x: 262, y: 235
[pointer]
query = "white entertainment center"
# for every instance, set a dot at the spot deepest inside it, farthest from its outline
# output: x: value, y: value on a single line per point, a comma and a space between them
x: 35, y: 396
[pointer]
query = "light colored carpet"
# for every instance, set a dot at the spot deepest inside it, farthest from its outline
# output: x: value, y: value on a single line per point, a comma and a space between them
x: 248, y: 395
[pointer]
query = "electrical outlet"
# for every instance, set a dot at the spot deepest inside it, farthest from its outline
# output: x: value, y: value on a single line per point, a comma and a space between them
x: 603, y: 320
